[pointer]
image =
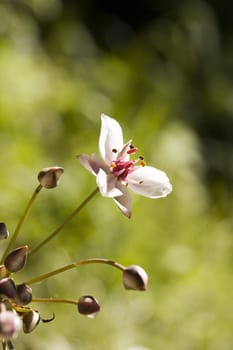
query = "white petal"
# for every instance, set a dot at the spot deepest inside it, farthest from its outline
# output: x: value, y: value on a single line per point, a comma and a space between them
x: 107, y: 184
x: 124, y: 201
x: 91, y: 163
x: 149, y: 182
x: 111, y: 139
x: 123, y: 155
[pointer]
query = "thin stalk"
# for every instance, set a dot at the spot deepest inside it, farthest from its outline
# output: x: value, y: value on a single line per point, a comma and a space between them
x: 54, y: 300
x: 7, y: 345
x: 10, y: 345
x: 65, y: 222
x: 21, y: 221
x: 74, y: 265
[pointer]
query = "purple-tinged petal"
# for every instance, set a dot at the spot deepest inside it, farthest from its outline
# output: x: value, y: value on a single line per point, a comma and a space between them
x: 107, y: 184
x: 124, y: 201
x: 123, y: 155
x: 91, y: 163
x: 111, y: 139
x: 149, y: 182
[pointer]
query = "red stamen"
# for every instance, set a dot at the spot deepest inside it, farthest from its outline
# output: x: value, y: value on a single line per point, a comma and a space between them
x: 121, y: 169
x: 132, y: 150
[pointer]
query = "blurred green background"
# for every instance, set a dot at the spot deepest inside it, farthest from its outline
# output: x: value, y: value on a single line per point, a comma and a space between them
x: 163, y: 69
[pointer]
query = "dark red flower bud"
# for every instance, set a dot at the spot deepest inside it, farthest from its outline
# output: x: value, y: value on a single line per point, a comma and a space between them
x: 3, y: 231
x: 7, y: 287
x: 23, y: 294
x: 16, y: 259
x: 134, y: 277
x: 30, y: 320
x: 88, y: 305
x: 50, y: 177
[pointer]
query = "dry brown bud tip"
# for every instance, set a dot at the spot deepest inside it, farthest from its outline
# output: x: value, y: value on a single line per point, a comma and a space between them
x: 50, y: 177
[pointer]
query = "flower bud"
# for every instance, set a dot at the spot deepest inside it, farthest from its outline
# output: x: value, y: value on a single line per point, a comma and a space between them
x: 88, y: 305
x: 50, y: 177
x: 7, y: 287
x: 16, y: 259
x: 3, y: 231
x: 10, y: 324
x: 30, y: 320
x: 23, y: 294
x: 134, y: 277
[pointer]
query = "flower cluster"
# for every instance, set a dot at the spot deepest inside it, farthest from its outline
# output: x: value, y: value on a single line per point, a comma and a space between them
x: 113, y: 173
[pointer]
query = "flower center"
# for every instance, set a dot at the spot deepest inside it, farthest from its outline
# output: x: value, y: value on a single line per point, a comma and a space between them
x: 120, y: 168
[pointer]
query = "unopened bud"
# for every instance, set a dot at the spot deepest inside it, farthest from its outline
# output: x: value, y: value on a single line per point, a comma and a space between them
x: 30, y: 320
x: 88, y: 306
x: 16, y: 259
x: 23, y: 294
x: 134, y: 277
x: 7, y: 287
x: 3, y: 231
x: 50, y: 177
x: 10, y: 324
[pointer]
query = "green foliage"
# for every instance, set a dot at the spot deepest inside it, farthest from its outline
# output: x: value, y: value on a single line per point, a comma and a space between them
x: 170, y: 90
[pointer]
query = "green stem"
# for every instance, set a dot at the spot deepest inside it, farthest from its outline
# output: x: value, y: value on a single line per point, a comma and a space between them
x: 73, y: 265
x: 21, y: 221
x: 4, y: 345
x: 54, y: 300
x: 65, y: 222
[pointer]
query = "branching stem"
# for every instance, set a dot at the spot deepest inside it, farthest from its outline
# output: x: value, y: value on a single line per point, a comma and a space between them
x: 21, y: 221
x: 74, y: 265
x: 65, y: 222
x: 54, y: 300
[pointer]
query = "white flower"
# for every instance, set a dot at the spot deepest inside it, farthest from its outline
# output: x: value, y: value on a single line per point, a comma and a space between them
x: 10, y: 324
x: 116, y: 171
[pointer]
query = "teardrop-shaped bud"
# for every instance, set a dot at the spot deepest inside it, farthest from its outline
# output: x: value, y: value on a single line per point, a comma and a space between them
x: 3, y: 271
x: 135, y: 277
x: 23, y: 294
x: 7, y: 287
x: 16, y: 259
x: 30, y: 320
x: 10, y: 325
x: 3, y: 231
x: 50, y: 177
x: 88, y: 306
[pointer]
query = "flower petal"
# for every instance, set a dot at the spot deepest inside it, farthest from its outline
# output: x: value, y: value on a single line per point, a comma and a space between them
x: 149, y: 182
x: 111, y: 139
x: 124, y: 201
x: 123, y: 154
x: 107, y: 184
x: 91, y: 163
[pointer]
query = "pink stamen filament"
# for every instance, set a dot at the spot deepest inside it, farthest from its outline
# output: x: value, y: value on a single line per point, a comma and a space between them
x: 121, y: 169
